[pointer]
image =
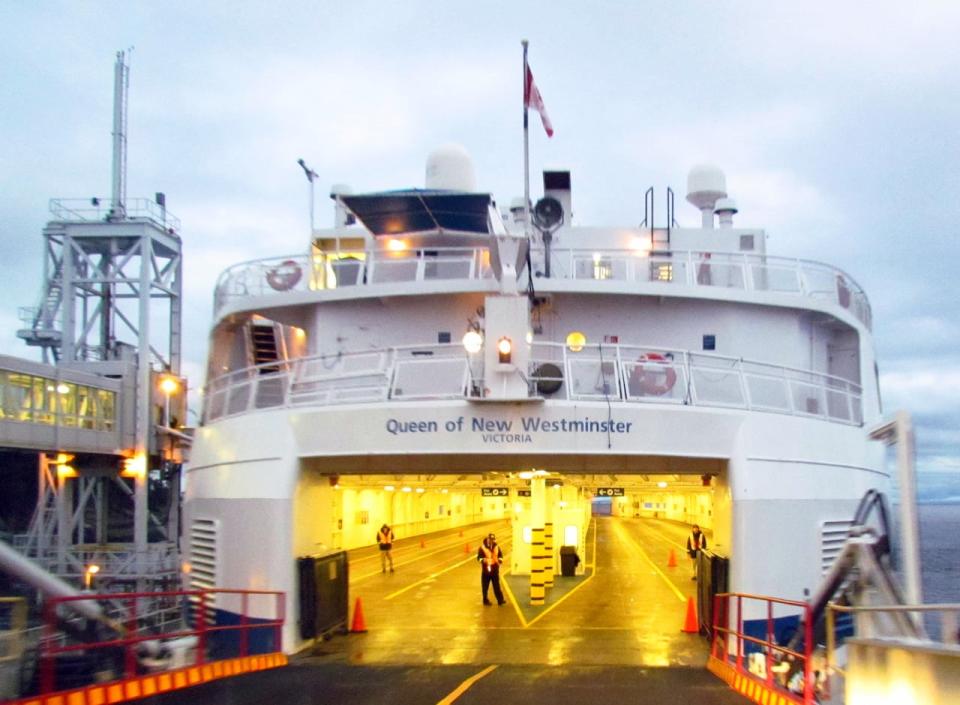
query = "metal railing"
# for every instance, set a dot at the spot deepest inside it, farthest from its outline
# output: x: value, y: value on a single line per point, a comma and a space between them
x: 728, y: 270
x: 947, y: 614
x: 124, y: 655
x: 101, y: 209
x: 782, y: 670
x: 615, y: 373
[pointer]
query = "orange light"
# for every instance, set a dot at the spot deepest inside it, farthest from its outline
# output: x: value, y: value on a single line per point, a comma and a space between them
x: 169, y: 385
x: 504, y: 350
x: 66, y: 471
x: 396, y: 245
x: 135, y: 467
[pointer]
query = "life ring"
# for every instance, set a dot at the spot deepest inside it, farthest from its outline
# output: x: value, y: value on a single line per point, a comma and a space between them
x: 284, y: 276
x: 655, y: 378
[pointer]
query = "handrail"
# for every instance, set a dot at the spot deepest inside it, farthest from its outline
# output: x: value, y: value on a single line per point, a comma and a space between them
x: 716, y: 270
x: 131, y: 634
x: 631, y: 374
x: 773, y: 658
x: 949, y: 611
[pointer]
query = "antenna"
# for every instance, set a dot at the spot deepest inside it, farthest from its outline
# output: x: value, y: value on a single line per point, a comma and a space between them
x: 121, y: 84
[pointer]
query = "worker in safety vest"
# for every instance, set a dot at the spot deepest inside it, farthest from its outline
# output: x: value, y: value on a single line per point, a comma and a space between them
x: 696, y: 542
x: 490, y: 557
x: 385, y: 539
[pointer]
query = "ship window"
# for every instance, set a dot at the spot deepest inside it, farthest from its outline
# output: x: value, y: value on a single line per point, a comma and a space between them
x: 746, y: 242
x: 443, y: 336
x: 663, y: 272
x: 709, y: 342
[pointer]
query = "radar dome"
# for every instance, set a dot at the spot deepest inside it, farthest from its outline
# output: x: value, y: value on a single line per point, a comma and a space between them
x: 705, y: 184
x: 449, y: 167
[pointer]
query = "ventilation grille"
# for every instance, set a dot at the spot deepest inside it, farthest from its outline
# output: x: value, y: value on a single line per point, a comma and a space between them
x: 833, y: 534
x: 204, y: 540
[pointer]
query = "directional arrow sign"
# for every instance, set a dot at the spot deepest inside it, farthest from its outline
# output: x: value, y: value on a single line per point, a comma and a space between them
x: 610, y: 492
x: 495, y: 491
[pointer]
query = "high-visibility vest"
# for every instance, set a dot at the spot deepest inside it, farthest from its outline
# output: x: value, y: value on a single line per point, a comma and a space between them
x: 384, y: 537
x: 490, y: 558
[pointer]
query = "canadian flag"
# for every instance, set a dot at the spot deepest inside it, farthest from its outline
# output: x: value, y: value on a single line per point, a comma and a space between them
x: 533, y: 99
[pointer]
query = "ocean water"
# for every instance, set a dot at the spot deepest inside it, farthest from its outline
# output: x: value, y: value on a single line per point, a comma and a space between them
x: 940, y: 551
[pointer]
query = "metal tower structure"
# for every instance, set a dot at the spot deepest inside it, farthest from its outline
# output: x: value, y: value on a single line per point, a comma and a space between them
x: 111, y: 305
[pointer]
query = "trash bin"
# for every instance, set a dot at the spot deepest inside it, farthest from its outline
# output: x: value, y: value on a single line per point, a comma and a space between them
x: 569, y: 560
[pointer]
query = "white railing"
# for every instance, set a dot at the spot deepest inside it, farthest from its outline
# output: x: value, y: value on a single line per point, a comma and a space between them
x: 98, y: 209
x: 741, y: 271
x: 614, y: 373
x: 335, y: 270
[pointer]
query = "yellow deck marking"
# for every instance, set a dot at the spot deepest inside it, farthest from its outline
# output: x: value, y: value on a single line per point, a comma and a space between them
x: 463, y: 687
x: 676, y: 591
x: 429, y: 577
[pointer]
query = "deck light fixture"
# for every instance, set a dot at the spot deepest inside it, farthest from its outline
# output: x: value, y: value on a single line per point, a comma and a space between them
x: 88, y: 574
x: 472, y: 342
x: 504, y: 350
x: 576, y: 340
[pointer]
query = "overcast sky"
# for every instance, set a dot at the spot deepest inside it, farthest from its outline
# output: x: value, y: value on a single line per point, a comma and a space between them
x: 836, y: 124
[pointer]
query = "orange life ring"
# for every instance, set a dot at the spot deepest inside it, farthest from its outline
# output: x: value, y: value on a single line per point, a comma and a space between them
x: 654, y: 379
x: 284, y: 276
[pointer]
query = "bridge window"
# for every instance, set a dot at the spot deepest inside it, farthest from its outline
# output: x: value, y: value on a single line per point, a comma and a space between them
x: 42, y: 400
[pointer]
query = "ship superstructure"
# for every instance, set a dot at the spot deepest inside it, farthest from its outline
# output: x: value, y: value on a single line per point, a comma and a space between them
x: 430, y: 344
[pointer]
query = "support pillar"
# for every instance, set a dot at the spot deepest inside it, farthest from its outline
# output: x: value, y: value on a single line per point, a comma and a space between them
x: 537, y: 553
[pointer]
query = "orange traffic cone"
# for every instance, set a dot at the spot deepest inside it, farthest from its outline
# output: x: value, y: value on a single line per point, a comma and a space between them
x: 672, y: 561
x: 466, y: 549
x: 422, y: 544
x: 358, y: 624
x: 690, y: 626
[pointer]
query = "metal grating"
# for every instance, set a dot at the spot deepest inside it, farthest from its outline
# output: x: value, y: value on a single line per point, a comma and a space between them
x: 833, y: 534
x: 204, y: 541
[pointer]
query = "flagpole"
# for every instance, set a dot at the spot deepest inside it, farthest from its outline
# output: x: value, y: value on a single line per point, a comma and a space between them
x: 526, y: 147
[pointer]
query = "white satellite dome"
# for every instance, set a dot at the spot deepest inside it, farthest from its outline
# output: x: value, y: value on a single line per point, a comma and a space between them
x: 705, y: 184
x: 450, y: 167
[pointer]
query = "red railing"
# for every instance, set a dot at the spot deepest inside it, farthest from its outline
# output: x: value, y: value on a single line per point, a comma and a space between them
x: 131, y: 633
x: 773, y: 653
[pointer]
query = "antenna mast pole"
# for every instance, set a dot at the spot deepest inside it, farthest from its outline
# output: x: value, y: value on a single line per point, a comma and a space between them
x: 121, y: 82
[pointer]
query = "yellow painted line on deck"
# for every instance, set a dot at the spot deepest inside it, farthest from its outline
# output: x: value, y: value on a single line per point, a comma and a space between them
x: 463, y: 687
x: 429, y: 577
x: 676, y: 590
x: 400, y: 564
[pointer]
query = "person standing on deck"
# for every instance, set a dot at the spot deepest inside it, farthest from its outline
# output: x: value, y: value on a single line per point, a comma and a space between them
x: 385, y: 539
x: 490, y: 557
x: 696, y: 542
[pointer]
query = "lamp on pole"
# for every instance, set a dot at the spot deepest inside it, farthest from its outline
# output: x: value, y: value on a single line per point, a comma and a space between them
x: 311, y: 176
x: 168, y: 385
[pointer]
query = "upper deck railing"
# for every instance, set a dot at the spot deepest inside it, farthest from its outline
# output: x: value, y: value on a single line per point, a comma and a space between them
x: 624, y: 374
x: 737, y: 271
x: 101, y: 209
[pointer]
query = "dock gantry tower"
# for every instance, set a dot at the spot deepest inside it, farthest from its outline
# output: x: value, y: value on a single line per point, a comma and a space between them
x: 111, y: 306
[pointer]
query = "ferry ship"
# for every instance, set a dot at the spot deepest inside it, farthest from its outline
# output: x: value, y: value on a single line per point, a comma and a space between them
x: 435, y: 360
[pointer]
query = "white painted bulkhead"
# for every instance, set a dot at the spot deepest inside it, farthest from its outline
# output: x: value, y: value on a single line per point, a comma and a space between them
x: 266, y: 477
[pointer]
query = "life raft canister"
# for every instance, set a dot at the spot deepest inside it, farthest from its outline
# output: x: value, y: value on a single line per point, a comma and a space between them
x: 653, y: 375
x: 284, y: 276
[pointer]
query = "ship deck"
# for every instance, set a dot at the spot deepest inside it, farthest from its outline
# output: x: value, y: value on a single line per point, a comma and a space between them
x: 615, y: 632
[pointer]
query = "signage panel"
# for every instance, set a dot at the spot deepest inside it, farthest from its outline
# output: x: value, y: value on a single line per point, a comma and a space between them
x: 609, y: 492
x: 495, y: 491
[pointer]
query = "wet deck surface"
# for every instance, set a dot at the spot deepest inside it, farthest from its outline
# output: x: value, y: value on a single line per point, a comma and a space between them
x: 615, y: 633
